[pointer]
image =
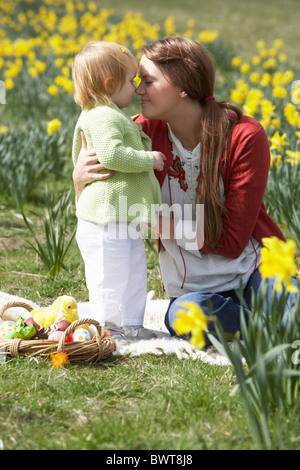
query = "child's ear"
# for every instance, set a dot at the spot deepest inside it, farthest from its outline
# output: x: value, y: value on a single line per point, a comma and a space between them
x: 109, y: 85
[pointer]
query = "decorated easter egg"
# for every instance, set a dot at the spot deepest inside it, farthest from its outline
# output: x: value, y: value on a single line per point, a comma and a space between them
x: 63, y: 325
x: 6, y: 328
x: 92, y: 330
x: 81, y: 334
x: 56, y: 335
x: 41, y: 333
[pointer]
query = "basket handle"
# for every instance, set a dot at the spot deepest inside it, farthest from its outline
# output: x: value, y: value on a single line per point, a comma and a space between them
x: 8, y: 305
x: 74, y: 325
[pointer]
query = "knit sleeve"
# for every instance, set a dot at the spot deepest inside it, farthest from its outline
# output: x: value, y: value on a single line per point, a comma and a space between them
x: 115, y: 144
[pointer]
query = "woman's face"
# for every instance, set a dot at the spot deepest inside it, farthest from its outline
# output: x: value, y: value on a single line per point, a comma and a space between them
x: 159, y: 98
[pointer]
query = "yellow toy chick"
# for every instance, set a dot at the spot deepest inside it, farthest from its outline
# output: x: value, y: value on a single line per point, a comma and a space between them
x: 64, y: 307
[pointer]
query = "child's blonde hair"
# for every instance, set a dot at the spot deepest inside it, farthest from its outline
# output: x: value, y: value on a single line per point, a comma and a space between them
x: 98, y: 70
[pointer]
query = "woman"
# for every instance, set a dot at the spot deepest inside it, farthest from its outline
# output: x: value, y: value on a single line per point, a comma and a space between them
x: 217, y: 159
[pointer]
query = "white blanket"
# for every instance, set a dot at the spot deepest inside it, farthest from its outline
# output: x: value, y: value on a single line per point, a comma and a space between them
x: 164, y: 344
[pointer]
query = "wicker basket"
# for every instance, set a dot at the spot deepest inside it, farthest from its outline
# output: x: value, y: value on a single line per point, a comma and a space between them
x: 95, y: 350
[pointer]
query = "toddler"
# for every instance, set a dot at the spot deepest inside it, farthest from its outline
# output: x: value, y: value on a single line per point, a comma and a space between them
x: 111, y: 211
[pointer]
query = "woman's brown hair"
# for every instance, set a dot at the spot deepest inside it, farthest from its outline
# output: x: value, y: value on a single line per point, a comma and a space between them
x: 188, y: 65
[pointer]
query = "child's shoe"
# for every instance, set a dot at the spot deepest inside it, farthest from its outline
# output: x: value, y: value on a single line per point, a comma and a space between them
x: 137, y: 332
x: 116, y: 332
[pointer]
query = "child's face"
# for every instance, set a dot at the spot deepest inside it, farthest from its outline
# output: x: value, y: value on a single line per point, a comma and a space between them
x: 122, y: 97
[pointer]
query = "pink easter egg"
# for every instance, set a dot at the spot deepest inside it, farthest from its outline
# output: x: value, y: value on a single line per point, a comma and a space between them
x: 56, y: 335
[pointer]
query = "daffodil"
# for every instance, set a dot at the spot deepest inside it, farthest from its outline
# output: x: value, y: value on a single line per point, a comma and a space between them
x: 279, y: 92
x: 278, y: 43
x: 236, y: 61
x: 9, y: 84
x: 237, y: 96
x: 265, y: 79
x: 260, y: 44
x: 277, y: 78
x: 278, y: 261
x: 270, y: 63
x: 275, y: 160
x: 53, y: 90
x: 275, y: 123
x: 254, y: 77
x: 295, y: 93
x: 192, y: 320
x: 53, y: 126
x: 288, y: 76
x: 282, y: 57
x: 208, y: 35
x: 256, y: 60
x: 291, y: 114
x: 273, y: 52
x: 4, y: 129
x: 293, y: 157
x: 278, y: 141
x: 245, y: 68
x: 169, y: 26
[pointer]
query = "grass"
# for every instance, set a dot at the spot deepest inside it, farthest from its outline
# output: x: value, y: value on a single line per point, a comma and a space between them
x: 23, y: 274
x: 141, y: 403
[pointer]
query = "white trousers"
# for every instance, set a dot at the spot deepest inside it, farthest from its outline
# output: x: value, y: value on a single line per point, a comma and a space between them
x: 115, y: 270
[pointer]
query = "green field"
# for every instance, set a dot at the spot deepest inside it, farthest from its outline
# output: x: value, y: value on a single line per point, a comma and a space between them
x: 240, y: 22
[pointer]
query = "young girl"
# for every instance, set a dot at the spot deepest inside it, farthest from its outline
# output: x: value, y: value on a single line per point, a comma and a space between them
x: 110, y: 211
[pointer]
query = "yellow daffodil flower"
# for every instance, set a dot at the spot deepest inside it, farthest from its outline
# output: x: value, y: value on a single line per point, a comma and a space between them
x: 278, y: 261
x: 282, y: 57
x: 295, y: 93
x: 293, y: 157
x: 256, y: 60
x: 291, y: 114
x: 53, y: 126
x: 245, y: 68
x: 9, y: 84
x: 279, y: 92
x: 192, y: 320
x: 275, y: 160
x: 278, y: 141
x: 4, y: 129
x: 208, y: 35
x: 53, y: 90
x: 236, y: 61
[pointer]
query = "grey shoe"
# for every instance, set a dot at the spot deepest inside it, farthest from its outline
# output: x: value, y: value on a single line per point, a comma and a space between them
x: 137, y: 332
x: 116, y: 332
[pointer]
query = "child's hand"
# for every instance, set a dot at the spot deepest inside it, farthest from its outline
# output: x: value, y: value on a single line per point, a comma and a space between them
x: 159, y: 161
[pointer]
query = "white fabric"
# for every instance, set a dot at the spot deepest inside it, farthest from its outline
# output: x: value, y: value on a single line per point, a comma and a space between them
x: 184, y: 268
x: 116, y: 271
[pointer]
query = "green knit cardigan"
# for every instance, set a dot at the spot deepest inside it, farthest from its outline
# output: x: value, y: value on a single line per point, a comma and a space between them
x: 133, y: 192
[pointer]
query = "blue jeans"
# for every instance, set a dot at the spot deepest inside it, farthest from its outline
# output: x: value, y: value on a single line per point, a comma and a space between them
x: 225, y: 306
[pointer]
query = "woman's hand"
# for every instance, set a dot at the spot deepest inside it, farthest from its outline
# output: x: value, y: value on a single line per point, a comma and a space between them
x: 87, y: 168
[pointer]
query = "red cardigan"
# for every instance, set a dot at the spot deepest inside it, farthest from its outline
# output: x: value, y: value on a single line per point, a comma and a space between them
x: 244, y: 173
